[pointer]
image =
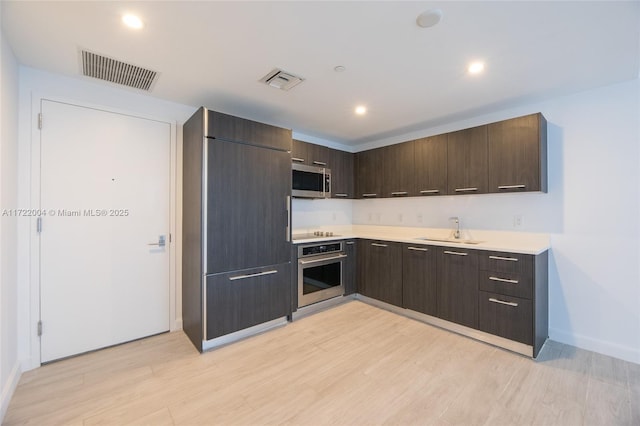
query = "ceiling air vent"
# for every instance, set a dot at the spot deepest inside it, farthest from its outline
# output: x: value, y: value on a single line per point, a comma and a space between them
x: 281, y: 80
x: 104, y: 68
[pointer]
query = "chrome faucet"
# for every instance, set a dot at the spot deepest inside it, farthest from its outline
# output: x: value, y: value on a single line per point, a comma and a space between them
x: 456, y: 232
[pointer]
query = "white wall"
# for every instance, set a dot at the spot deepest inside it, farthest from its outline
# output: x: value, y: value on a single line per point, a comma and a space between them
x: 308, y: 215
x: 37, y: 84
x: 591, y: 211
x: 9, y: 366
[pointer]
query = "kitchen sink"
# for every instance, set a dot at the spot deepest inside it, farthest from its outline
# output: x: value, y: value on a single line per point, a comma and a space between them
x: 450, y: 240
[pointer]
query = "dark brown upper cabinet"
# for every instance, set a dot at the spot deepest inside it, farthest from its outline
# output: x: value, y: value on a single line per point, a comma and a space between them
x: 431, y: 165
x: 236, y: 129
x: 398, y: 175
x: 467, y: 163
x: 369, y: 173
x: 342, y: 174
x: 518, y: 154
x: 310, y: 154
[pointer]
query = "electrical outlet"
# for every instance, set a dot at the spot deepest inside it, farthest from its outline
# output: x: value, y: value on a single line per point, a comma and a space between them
x: 419, y: 217
x: 399, y: 217
x: 518, y: 221
x: 370, y: 217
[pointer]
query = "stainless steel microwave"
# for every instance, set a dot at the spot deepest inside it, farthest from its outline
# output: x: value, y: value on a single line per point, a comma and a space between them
x: 310, y: 181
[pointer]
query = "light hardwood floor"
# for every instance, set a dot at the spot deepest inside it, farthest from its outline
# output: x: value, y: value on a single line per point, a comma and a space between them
x: 353, y: 364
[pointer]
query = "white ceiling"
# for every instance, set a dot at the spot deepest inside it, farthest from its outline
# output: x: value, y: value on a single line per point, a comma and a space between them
x: 214, y: 53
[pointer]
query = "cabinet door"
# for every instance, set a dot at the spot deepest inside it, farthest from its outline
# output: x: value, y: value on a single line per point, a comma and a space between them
x: 242, y: 299
x: 342, y: 174
x: 458, y: 286
x: 300, y: 152
x: 431, y: 165
x: 517, y: 154
x: 467, y: 161
x: 380, y: 271
x: 350, y: 267
x: 419, y: 278
x: 247, y: 211
x: 369, y: 173
x: 310, y: 154
x: 230, y: 128
x: 399, y: 177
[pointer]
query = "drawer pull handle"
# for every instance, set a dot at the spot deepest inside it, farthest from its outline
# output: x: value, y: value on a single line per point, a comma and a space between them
x: 512, y: 187
x: 340, y: 195
x: 399, y: 193
x: 430, y: 191
x: 455, y: 253
x: 466, y: 189
x: 417, y: 248
x: 350, y: 242
x: 378, y: 245
x: 508, y: 259
x: 257, y: 274
x: 319, y: 163
x: 369, y: 195
x: 297, y: 160
x: 503, y: 280
x: 502, y: 302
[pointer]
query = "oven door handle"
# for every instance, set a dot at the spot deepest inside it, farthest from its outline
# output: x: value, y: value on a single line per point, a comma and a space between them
x: 324, y: 259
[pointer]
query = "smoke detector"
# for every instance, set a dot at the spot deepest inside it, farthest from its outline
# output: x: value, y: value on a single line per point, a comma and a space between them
x: 281, y: 79
x: 114, y: 71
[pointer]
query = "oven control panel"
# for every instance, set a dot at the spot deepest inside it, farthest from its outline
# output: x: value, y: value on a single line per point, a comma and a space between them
x: 315, y: 249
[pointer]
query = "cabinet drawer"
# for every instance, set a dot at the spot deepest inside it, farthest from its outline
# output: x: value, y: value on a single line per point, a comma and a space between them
x: 511, y: 263
x: 517, y: 285
x: 242, y: 299
x: 506, y: 316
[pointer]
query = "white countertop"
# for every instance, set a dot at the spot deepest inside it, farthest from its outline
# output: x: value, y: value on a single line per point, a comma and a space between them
x: 511, y: 242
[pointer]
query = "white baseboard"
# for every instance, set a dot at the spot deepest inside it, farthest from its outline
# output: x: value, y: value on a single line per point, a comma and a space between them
x: 603, y: 347
x: 8, y: 389
x: 177, y: 325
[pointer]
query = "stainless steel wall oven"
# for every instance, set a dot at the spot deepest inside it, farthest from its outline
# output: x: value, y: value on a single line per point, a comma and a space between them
x: 320, y: 272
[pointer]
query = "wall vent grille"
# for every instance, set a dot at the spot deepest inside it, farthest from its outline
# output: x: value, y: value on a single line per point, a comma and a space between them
x: 105, y: 68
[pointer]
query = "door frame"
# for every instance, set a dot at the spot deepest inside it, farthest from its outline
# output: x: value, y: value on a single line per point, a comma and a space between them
x: 175, y: 218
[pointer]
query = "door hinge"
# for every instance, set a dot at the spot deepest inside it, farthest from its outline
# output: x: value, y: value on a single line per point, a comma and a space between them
x: 39, y: 328
x: 40, y: 120
x: 170, y: 239
x: 39, y: 225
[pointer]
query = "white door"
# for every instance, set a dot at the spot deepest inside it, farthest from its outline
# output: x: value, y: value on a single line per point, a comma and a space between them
x: 105, y: 188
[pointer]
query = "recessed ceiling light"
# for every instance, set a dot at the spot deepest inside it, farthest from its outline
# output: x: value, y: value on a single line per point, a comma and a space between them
x: 339, y: 68
x: 475, y: 67
x: 430, y: 18
x: 361, y: 110
x: 132, y: 21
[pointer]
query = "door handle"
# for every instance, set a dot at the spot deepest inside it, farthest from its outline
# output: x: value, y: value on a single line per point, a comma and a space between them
x: 162, y: 241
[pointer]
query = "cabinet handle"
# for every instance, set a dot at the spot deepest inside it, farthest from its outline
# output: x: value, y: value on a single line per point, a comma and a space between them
x: 340, y: 195
x: 287, y: 206
x: 319, y: 163
x: 297, y: 160
x: 257, y: 274
x: 369, y: 195
x: 512, y: 186
x: 379, y: 245
x: 399, y: 193
x: 340, y: 256
x: 503, y: 280
x: 417, y: 249
x: 456, y: 253
x: 508, y: 259
x: 502, y: 302
x: 466, y: 189
x: 350, y: 242
x: 430, y: 191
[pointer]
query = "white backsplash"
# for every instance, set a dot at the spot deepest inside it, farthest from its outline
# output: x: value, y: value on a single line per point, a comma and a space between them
x: 309, y: 215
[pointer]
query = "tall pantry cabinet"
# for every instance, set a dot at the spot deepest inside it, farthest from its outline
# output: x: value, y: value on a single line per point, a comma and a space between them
x: 236, y: 225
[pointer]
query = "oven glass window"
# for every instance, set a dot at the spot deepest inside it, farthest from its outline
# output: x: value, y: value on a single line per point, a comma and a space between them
x: 319, y: 278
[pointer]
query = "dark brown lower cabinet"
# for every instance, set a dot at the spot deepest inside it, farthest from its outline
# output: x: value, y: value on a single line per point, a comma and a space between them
x: 458, y: 286
x: 350, y: 267
x: 419, y: 279
x: 506, y: 316
x: 241, y: 299
x: 380, y: 271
